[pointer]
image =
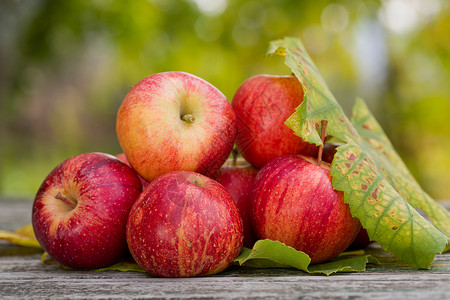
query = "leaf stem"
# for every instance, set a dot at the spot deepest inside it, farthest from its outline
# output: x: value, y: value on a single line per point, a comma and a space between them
x: 324, y: 124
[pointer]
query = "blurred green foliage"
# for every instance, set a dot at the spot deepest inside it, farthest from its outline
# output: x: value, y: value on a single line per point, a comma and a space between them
x: 65, y: 67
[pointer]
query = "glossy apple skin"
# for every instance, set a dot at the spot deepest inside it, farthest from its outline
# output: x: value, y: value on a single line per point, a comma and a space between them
x: 123, y: 158
x: 237, y: 178
x: 184, y: 224
x: 293, y: 202
x: 156, y: 139
x: 90, y: 233
x: 262, y: 104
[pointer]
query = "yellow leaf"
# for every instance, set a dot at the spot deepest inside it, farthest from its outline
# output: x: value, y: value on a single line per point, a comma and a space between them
x: 24, y: 236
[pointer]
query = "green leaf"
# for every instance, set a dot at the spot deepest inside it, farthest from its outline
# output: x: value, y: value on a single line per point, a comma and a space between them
x: 319, y: 103
x: 376, y: 184
x: 123, y: 266
x: 24, y: 236
x: 343, y: 265
x: 273, y: 254
x: 388, y: 162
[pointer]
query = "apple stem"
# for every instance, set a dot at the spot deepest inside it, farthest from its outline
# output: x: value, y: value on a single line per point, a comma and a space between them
x: 322, y: 137
x: 65, y: 199
x: 234, y: 153
x: 188, y: 118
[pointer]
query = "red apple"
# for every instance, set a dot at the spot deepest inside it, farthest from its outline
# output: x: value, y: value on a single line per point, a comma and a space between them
x: 184, y: 224
x: 81, y: 209
x: 175, y: 121
x: 293, y: 202
x: 262, y: 104
x: 237, y: 178
x: 123, y: 158
x: 361, y: 240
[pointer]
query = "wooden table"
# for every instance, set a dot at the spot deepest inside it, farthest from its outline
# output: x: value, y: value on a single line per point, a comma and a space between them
x: 23, y: 276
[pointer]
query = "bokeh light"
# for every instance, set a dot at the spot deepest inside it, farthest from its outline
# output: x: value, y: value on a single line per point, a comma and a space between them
x: 65, y: 67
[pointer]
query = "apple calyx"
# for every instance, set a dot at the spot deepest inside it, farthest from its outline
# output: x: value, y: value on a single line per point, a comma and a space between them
x: 188, y: 118
x: 322, y: 137
x: 67, y: 200
x: 196, y: 183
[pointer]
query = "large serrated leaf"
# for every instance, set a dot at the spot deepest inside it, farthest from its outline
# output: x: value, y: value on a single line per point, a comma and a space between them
x: 389, y: 162
x: 387, y: 217
x: 376, y: 184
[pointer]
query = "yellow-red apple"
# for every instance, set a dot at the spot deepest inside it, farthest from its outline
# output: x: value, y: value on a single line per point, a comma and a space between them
x: 175, y: 121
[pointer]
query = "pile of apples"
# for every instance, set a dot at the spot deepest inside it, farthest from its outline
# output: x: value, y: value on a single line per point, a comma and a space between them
x: 176, y: 201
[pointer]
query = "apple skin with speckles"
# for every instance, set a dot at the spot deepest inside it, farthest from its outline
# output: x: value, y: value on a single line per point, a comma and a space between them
x: 80, y: 210
x: 237, y: 177
x: 184, y: 224
x: 174, y: 121
x: 262, y: 104
x: 293, y: 202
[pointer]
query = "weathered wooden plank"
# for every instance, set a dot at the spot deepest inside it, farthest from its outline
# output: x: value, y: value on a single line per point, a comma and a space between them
x: 25, y: 277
